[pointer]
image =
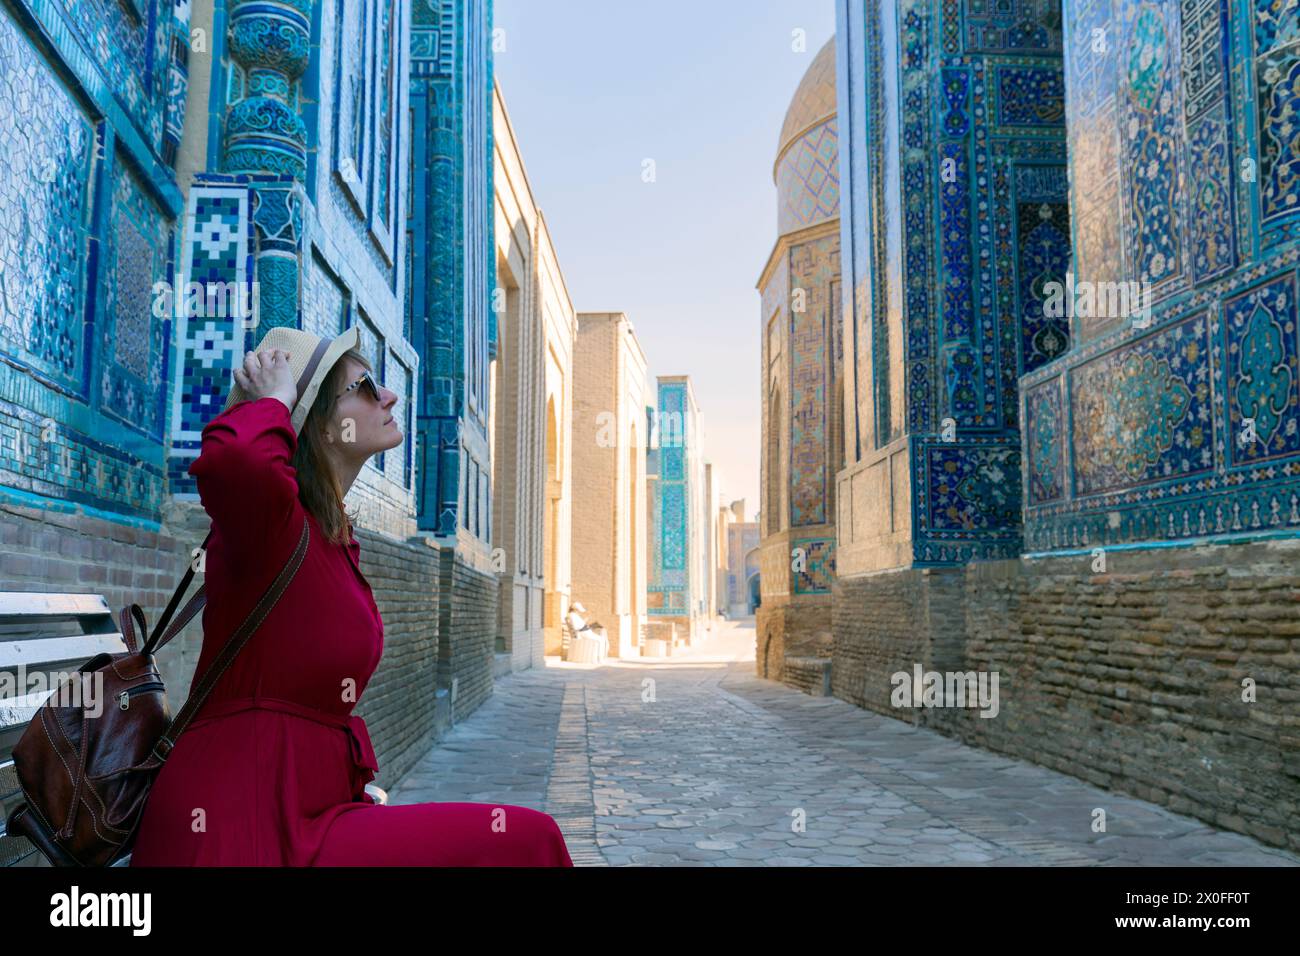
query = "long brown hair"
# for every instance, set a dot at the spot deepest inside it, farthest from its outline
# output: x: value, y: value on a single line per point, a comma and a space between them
x: 319, y: 488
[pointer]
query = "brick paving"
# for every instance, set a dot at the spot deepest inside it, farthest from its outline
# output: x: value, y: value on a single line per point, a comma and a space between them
x: 694, y: 761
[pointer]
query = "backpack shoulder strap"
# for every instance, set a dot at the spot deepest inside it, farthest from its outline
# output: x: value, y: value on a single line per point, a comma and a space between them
x: 233, y: 645
x: 153, y: 643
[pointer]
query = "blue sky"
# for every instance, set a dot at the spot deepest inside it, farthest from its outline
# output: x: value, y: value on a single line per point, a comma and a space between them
x: 594, y: 87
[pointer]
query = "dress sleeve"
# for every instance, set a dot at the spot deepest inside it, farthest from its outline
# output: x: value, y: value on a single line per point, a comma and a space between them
x: 245, y: 479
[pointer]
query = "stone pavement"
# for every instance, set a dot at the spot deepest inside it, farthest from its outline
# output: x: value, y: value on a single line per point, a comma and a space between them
x: 694, y: 761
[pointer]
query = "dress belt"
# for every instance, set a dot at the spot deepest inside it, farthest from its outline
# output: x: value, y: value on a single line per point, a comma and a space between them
x: 363, y: 754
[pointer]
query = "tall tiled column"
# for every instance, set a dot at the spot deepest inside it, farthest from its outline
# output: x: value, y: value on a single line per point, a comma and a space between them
x: 954, y: 219
x: 452, y: 276
x: 244, y: 220
x: 264, y: 137
x: 452, y: 270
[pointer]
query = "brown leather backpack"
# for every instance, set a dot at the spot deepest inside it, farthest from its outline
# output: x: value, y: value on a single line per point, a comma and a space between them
x: 86, y: 777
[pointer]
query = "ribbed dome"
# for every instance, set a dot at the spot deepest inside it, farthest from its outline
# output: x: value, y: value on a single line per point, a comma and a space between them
x: 814, y: 100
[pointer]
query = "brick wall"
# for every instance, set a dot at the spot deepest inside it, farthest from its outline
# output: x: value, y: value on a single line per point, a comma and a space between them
x: 800, y: 629
x: 788, y: 622
x: 812, y: 675
x: 876, y: 634
x: 44, y: 550
x: 1129, y: 679
x: 467, y: 624
x: 53, y: 551
x: 595, y: 469
x: 403, y: 710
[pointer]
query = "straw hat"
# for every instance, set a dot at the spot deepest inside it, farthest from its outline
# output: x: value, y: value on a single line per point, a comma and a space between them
x: 310, y: 358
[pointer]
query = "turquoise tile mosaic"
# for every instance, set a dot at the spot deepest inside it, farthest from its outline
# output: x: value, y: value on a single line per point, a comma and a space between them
x: 1188, y: 428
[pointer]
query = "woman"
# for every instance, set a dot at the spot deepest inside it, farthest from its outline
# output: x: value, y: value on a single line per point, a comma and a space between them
x: 272, y: 770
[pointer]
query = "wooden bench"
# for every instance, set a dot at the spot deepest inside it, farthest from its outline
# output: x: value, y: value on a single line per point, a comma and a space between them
x: 41, y: 633
x: 47, y: 633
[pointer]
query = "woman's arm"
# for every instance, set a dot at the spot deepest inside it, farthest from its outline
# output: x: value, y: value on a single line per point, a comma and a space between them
x: 245, y: 479
x: 243, y: 472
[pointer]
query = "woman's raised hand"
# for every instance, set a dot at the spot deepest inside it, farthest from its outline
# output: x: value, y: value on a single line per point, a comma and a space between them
x: 266, y: 374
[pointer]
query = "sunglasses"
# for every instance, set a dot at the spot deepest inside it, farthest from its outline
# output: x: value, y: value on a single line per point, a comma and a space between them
x: 367, y: 382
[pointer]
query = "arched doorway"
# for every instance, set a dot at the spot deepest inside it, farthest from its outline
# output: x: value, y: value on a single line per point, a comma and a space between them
x: 754, y: 594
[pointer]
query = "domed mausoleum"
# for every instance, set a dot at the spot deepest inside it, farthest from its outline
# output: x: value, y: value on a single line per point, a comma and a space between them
x: 802, y: 409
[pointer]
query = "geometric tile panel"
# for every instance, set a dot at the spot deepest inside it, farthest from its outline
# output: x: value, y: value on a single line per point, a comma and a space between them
x: 1263, y: 376
x: 1142, y: 412
x: 808, y: 184
x: 968, y: 505
x: 128, y: 49
x: 215, y: 257
x: 1276, y: 86
x: 135, y: 331
x: 1160, y: 452
x: 673, y: 461
x: 1045, y: 442
x: 388, y: 29
x: 1003, y: 26
x: 1152, y: 121
x: 816, y: 571
x: 814, y: 268
x: 958, y: 169
x: 47, y: 195
x: 669, y: 564
x: 1043, y: 239
x: 1030, y: 96
x: 86, y: 230
x: 1213, y: 234
x: 450, y: 96
x: 674, y: 526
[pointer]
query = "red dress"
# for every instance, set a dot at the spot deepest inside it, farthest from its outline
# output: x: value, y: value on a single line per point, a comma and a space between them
x: 272, y: 770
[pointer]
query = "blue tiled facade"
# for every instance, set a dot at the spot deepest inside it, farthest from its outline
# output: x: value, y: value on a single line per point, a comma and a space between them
x: 453, y: 265
x: 91, y: 95
x: 989, y: 150
x: 1185, y: 161
x: 109, y: 375
x: 668, y: 576
x: 954, y: 214
x: 803, y: 373
x: 304, y: 194
x: 1147, y: 506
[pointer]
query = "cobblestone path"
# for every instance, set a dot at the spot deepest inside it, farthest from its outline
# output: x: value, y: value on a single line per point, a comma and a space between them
x: 695, y: 761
